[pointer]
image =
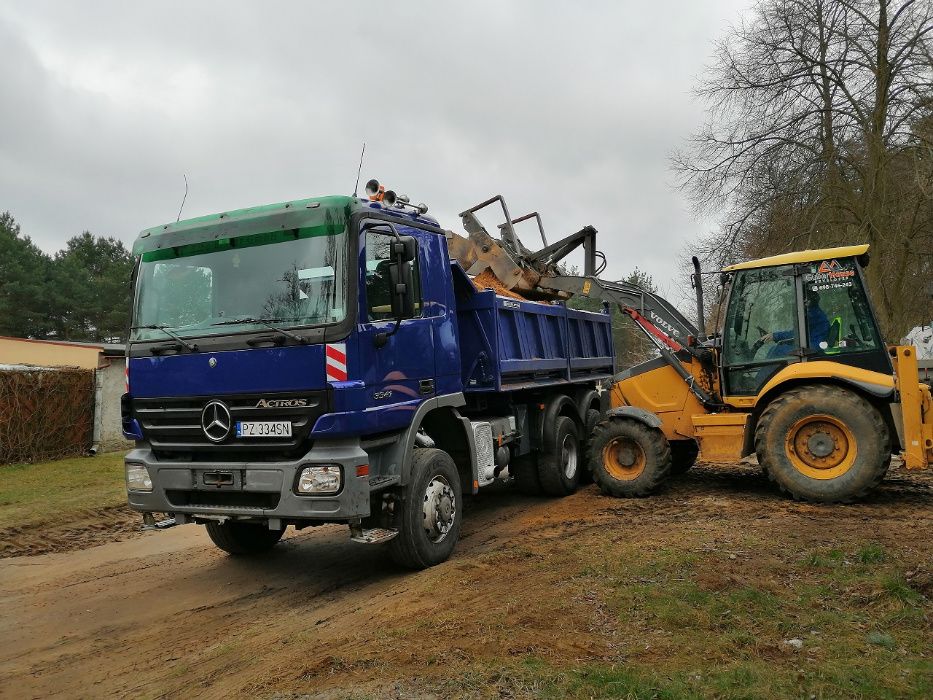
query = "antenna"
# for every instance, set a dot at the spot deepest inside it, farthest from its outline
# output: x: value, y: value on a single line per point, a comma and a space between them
x: 357, y: 185
x: 185, y: 175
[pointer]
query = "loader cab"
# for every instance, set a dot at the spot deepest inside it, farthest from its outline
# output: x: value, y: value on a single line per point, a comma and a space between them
x: 799, y: 307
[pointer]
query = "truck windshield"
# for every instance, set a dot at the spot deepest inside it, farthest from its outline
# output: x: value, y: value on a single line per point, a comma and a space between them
x: 296, y: 277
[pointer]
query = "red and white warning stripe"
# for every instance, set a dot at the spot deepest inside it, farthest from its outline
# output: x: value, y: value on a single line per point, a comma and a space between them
x: 335, y: 362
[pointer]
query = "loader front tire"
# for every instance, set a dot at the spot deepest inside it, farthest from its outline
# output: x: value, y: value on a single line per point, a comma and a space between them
x: 823, y: 443
x: 629, y: 459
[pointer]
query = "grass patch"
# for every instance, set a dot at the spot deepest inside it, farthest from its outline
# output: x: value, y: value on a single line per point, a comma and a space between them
x: 737, y: 680
x: 871, y: 554
x: 46, y: 491
x: 700, y: 621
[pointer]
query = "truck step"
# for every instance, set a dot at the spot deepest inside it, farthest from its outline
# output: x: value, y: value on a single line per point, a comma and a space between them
x: 375, y: 535
x: 150, y: 523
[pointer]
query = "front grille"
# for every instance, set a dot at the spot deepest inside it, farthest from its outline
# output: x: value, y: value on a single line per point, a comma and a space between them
x: 244, y: 500
x: 173, y: 425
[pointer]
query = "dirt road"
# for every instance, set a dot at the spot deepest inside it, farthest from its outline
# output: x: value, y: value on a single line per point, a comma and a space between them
x: 166, y: 614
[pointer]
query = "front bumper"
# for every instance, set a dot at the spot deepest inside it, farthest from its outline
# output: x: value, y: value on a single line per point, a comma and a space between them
x: 261, y: 490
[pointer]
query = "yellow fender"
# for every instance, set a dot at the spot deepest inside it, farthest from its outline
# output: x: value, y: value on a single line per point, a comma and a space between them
x: 874, y: 383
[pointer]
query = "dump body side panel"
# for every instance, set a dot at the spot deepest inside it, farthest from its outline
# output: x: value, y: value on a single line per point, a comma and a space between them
x: 512, y: 345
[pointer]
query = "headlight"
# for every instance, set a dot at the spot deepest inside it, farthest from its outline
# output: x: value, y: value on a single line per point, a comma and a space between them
x: 319, y: 480
x: 137, y: 478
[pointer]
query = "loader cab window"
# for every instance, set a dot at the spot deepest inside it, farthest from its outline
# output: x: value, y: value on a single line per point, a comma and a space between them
x: 836, y: 287
x: 378, y: 284
x: 760, y: 335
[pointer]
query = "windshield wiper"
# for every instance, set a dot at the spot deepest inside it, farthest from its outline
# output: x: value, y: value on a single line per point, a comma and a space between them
x: 267, y: 322
x: 191, y: 347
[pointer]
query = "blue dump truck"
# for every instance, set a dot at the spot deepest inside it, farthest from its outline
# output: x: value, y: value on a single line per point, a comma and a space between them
x: 326, y: 361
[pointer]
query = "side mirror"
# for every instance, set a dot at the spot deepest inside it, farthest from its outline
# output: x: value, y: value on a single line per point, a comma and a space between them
x: 405, y: 248
x: 401, y: 282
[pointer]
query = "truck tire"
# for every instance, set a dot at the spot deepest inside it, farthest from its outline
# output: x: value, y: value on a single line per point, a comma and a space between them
x: 430, y: 512
x: 590, y: 421
x: 243, y: 538
x: 560, y: 462
x: 683, y: 456
x: 630, y: 459
x: 823, y: 443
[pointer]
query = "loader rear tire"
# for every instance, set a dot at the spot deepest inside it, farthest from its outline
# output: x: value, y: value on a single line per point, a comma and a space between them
x: 823, y: 443
x: 629, y: 459
x: 242, y: 539
x: 683, y: 456
x: 560, y: 463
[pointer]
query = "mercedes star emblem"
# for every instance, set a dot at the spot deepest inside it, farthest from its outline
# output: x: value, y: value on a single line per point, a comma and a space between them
x: 212, y: 362
x: 216, y: 421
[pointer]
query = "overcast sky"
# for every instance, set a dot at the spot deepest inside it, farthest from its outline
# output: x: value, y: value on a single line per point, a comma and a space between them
x: 568, y: 108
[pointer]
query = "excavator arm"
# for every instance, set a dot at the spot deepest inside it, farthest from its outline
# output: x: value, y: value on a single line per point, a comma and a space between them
x: 664, y: 321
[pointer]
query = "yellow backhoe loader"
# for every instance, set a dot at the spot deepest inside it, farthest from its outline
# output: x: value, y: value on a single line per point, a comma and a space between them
x: 796, y: 370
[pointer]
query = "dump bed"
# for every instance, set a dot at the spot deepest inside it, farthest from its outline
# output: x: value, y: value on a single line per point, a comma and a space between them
x: 508, y: 344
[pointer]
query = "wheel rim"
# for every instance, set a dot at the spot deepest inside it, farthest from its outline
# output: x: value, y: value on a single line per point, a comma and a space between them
x: 821, y: 446
x: 624, y: 459
x: 568, y: 456
x: 439, y: 509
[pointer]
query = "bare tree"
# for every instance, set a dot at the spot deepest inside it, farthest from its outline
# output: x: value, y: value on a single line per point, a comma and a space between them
x: 818, y: 134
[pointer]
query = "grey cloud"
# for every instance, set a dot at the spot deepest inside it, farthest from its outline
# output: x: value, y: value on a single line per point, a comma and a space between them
x: 570, y: 109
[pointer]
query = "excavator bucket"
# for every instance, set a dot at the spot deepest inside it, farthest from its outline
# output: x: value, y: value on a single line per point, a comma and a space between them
x: 519, y: 269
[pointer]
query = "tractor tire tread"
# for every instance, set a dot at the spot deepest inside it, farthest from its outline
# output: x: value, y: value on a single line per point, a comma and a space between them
x: 875, y: 469
x: 657, y: 454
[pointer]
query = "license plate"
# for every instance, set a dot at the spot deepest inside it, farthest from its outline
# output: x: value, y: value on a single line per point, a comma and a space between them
x: 264, y: 428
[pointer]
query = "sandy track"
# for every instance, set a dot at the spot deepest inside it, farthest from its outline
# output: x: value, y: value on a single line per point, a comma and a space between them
x: 166, y: 614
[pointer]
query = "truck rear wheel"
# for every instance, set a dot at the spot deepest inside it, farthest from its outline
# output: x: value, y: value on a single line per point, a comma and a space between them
x: 591, y: 420
x: 430, y: 512
x: 243, y: 538
x: 823, y: 443
x: 560, y: 462
x: 629, y: 458
x: 683, y: 456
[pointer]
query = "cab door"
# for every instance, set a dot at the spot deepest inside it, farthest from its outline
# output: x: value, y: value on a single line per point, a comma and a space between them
x: 399, y: 374
x: 762, y: 328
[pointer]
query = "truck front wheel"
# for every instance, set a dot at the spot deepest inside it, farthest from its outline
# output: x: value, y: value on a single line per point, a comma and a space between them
x: 243, y: 538
x: 429, y: 514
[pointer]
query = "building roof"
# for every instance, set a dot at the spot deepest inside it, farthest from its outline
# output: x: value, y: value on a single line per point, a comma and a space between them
x: 801, y: 256
x: 108, y: 349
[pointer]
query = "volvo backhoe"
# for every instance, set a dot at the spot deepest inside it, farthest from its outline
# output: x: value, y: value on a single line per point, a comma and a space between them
x: 795, y: 370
